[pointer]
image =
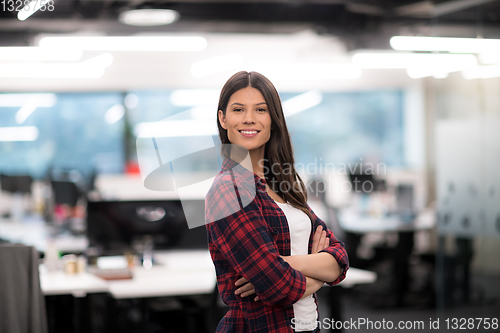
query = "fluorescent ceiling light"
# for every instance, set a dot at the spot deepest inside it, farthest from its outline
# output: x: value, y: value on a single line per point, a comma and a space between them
x: 127, y: 43
x: 34, y: 102
x: 194, y: 97
x: 114, y: 113
x: 440, y: 75
x: 175, y: 128
x: 489, y: 59
x: 216, y: 65
x: 420, y: 72
x: 19, y: 100
x: 148, y: 17
x: 19, y: 133
x: 29, y: 9
x: 482, y: 72
x: 33, y: 53
x: 306, y: 71
x: 454, y: 45
x: 25, y: 111
x: 93, y: 68
x: 302, y: 102
x: 407, y: 60
x: 438, y: 70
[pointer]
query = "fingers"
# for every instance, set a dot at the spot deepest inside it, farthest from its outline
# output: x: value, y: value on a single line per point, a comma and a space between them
x: 240, y: 282
x: 320, y: 240
x: 246, y: 288
x: 316, y: 239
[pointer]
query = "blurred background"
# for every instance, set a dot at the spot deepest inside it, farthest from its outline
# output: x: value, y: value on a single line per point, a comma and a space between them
x: 394, y: 113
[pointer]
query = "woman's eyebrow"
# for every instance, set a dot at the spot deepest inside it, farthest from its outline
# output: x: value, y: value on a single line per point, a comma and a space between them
x: 243, y: 104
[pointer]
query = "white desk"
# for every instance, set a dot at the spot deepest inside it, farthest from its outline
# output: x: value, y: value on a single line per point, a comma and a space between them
x: 351, y: 221
x: 358, y: 225
x: 356, y: 276
x: 78, y: 285
x: 35, y: 232
x: 178, y: 273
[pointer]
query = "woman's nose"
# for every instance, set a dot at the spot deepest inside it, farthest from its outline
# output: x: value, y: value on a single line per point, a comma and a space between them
x: 249, y: 118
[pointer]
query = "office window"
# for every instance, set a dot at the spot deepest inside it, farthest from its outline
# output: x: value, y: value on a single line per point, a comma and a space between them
x: 334, y: 127
x: 350, y: 127
x: 192, y: 110
x: 88, y: 130
x: 62, y: 130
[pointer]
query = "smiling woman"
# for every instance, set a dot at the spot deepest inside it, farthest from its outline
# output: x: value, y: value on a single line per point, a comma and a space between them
x: 247, y: 120
x: 269, y: 244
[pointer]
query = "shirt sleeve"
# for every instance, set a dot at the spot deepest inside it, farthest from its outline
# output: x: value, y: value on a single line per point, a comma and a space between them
x: 246, y: 241
x: 336, y: 248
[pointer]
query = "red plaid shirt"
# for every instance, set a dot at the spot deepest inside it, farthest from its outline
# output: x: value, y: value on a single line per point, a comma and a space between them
x: 248, y: 236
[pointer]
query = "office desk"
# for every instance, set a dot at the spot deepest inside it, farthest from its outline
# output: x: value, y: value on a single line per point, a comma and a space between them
x: 177, y: 273
x: 351, y: 221
x: 185, y: 272
x: 357, y: 225
x: 356, y: 276
x: 34, y: 231
x: 78, y: 285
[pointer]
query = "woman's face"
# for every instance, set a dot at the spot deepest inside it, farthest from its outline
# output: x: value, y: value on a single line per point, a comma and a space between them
x: 247, y: 119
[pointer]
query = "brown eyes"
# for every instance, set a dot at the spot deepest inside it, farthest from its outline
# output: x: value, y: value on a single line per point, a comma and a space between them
x: 239, y: 109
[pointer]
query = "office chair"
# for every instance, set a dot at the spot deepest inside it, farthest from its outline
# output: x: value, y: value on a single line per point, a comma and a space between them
x: 20, y: 187
x: 65, y: 192
x: 22, y: 309
x: 16, y: 184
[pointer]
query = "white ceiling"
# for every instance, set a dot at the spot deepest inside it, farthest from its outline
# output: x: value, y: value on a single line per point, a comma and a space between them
x: 152, y: 70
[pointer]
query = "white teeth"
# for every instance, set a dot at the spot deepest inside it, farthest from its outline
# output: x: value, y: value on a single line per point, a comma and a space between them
x: 249, y: 132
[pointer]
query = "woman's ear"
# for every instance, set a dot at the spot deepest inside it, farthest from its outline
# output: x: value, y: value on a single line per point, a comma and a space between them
x: 222, y: 119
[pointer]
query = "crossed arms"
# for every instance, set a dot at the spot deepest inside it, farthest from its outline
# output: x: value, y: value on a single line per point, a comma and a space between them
x: 318, y: 267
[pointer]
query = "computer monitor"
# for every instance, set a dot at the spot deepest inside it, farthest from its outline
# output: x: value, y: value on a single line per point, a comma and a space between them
x: 362, y: 183
x: 405, y: 202
x: 65, y: 192
x: 114, y: 227
x: 16, y: 184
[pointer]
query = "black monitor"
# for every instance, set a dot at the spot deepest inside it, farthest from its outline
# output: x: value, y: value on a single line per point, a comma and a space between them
x: 405, y: 202
x: 16, y: 184
x: 65, y: 192
x: 362, y: 183
x: 113, y: 227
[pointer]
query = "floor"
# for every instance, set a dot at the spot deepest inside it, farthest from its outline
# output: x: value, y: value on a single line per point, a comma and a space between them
x: 373, y: 307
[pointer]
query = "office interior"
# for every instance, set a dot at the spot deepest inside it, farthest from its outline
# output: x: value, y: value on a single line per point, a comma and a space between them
x: 393, y: 108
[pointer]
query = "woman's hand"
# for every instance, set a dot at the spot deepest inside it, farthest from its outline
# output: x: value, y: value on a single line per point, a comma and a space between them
x: 246, y: 288
x: 320, y: 241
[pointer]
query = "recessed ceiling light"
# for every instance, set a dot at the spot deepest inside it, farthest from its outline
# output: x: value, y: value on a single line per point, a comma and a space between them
x: 148, y: 17
x: 126, y: 43
x: 447, y: 44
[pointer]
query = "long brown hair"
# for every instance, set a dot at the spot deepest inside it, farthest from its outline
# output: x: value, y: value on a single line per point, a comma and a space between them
x: 286, y: 182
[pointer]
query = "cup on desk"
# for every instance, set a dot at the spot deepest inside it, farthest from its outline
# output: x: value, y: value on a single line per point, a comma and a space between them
x: 74, y: 264
x: 69, y: 262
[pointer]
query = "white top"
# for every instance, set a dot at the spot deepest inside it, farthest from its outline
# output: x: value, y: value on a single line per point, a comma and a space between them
x: 299, y: 224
